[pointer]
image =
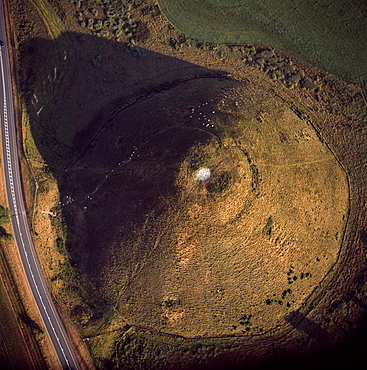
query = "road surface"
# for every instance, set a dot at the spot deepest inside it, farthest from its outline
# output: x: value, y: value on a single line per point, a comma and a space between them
x: 22, y: 235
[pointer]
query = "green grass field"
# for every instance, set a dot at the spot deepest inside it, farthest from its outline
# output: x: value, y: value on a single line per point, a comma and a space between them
x: 330, y: 34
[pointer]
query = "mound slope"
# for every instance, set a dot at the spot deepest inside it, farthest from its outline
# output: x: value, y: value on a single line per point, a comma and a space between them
x: 192, y: 257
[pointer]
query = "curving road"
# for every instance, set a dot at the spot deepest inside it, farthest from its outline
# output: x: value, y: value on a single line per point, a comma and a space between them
x: 32, y: 269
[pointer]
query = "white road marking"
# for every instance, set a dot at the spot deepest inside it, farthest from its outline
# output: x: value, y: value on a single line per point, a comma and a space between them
x: 12, y: 190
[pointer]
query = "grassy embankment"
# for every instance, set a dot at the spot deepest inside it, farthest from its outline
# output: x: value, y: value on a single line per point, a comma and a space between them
x: 329, y: 34
x: 37, y: 20
x: 19, y: 334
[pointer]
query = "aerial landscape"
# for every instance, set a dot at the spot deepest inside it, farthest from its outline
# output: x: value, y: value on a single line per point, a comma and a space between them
x: 192, y: 184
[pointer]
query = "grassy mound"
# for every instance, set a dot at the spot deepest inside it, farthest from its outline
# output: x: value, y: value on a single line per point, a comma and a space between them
x: 330, y: 34
x: 190, y: 257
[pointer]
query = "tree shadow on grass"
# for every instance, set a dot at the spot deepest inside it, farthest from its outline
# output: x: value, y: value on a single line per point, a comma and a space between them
x: 30, y: 322
x: 301, y: 323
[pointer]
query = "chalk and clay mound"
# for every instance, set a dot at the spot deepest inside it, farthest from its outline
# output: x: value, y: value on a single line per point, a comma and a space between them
x: 252, y: 224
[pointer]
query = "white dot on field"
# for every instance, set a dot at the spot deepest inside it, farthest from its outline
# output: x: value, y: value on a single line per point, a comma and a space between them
x: 202, y: 174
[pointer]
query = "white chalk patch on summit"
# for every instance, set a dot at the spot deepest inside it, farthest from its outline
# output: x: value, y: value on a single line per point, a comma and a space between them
x: 202, y: 174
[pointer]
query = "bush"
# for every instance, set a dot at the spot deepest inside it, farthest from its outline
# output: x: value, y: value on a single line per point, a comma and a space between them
x: 5, y: 216
x: 286, y: 293
x: 97, y: 61
x: 268, y: 229
x: 5, y: 236
x: 307, y: 83
x: 9, y: 238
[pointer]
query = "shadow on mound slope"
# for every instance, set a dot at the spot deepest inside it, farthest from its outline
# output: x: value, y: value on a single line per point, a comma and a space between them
x: 112, y: 167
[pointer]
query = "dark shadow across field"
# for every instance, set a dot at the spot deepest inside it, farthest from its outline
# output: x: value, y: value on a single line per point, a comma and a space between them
x: 300, y: 322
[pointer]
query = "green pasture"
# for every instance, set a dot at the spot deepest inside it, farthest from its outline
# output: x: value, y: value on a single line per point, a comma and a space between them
x: 331, y: 34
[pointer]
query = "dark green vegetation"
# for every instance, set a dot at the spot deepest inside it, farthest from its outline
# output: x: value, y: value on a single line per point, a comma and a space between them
x: 111, y: 19
x: 278, y: 68
x: 5, y: 218
x: 328, y: 33
x: 5, y: 215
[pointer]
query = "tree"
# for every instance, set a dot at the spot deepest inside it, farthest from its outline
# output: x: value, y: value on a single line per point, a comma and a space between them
x: 5, y: 216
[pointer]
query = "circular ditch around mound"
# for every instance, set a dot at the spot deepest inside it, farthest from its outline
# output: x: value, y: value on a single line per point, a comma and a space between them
x: 234, y: 254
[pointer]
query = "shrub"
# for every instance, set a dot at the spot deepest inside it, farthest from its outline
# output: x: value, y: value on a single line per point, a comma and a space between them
x: 286, y: 293
x: 9, y: 238
x: 307, y: 83
x: 5, y: 216
x: 90, y: 23
x: 5, y: 236
x: 268, y: 229
x: 137, y: 52
x: 97, y: 61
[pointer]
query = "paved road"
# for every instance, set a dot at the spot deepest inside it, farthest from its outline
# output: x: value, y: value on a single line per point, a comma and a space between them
x: 21, y: 230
